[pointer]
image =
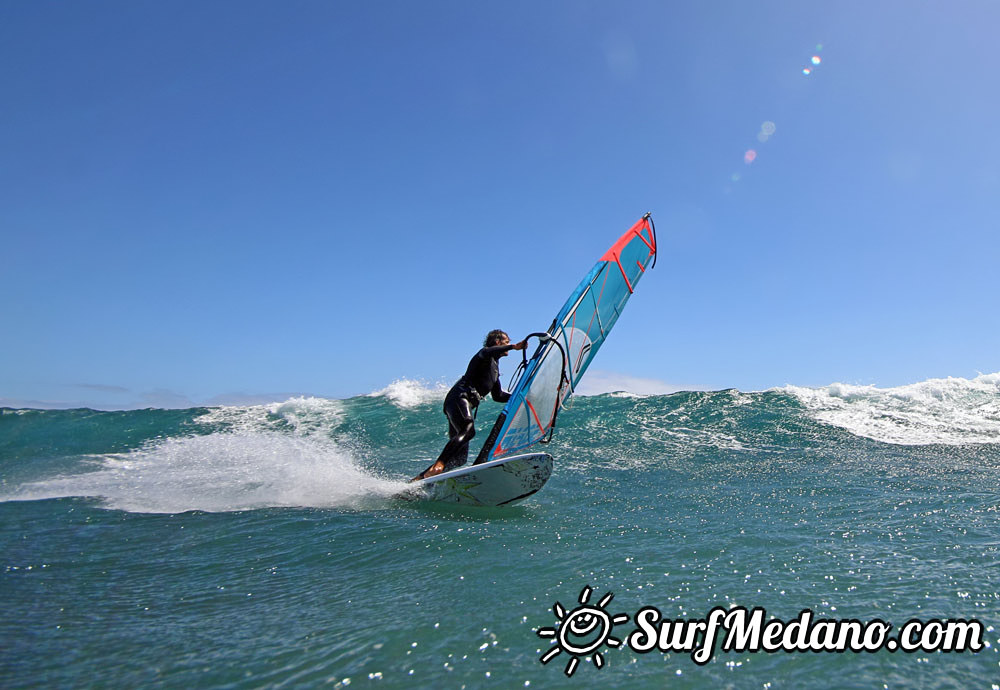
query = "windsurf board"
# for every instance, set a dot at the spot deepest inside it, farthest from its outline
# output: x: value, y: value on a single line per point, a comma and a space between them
x: 495, y: 483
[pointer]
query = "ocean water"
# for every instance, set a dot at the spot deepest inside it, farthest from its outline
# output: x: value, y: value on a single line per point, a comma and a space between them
x: 261, y: 546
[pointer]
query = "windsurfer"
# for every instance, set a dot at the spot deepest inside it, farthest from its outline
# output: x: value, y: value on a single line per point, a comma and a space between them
x: 482, y: 378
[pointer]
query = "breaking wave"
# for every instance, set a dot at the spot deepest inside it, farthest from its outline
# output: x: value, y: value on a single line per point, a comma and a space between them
x: 952, y: 411
x: 407, y: 393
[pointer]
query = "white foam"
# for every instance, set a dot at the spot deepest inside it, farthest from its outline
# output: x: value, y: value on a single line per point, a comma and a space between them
x: 407, y: 393
x: 222, y: 472
x: 306, y: 416
x: 951, y: 411
x: 624, y: 394
x: 277, y: 455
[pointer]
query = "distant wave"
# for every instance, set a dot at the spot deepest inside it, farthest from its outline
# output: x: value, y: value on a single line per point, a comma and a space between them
x: 951, y: 411
x: 407, y: 393
x: 306, y: 415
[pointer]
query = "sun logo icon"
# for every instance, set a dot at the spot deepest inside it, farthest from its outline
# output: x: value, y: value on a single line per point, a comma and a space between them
x: 582, y: 631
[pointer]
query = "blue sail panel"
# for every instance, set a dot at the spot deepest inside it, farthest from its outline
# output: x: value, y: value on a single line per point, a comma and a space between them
x: 574, y: 338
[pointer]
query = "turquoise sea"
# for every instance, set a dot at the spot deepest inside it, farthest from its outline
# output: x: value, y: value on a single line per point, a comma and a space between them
x: 260, y: 546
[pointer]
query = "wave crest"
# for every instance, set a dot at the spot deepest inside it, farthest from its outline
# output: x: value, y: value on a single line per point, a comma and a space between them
x: 951, y: 411
x: 306, y: 416
x: 407, y: 393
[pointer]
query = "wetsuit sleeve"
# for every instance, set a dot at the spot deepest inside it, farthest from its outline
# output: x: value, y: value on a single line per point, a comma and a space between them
x: 499, y: 394
x: 495, y: 350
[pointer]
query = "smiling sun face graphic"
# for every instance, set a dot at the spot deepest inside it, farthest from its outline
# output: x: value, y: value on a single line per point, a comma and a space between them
x: 582, y: 631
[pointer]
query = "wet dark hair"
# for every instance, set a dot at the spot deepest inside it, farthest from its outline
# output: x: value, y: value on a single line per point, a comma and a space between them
x: 494, y: 337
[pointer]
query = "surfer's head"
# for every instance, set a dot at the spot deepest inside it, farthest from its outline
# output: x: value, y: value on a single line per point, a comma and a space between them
x: 496, y: 337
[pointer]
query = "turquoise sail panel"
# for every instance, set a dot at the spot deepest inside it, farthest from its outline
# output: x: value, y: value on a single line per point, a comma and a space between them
x: 569, y: 346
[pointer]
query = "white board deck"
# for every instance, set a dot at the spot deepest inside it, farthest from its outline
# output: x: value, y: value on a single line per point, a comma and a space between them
x: 495, y: 483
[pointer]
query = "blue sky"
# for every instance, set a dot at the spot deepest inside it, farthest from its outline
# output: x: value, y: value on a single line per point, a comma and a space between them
x: 205, y: 200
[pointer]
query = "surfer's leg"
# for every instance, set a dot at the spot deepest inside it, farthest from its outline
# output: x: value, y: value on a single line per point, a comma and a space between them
x: 437, y: 467
x: 456, y: 451
x: 460, y: 418
x: 459, y: 456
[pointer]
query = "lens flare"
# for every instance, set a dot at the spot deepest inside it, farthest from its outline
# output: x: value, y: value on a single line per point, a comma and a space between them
x: 766, y: 130
x: 749, y: 156
x: 806, y: 71
x: 816, y: 59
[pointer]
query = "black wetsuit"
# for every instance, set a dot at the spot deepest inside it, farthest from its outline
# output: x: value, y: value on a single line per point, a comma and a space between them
x: 482, y: 378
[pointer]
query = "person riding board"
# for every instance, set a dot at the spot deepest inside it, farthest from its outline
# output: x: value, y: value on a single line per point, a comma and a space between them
x: 482, y: 378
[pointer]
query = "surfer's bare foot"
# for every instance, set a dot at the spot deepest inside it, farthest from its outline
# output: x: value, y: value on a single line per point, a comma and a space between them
x: 436, y: 468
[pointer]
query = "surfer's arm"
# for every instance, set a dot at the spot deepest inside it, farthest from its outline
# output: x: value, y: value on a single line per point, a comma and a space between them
x: 496, y: 350
x: 499, y: 394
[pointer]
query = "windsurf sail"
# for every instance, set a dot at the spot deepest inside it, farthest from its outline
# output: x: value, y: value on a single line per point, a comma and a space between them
x: 565, y: 351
